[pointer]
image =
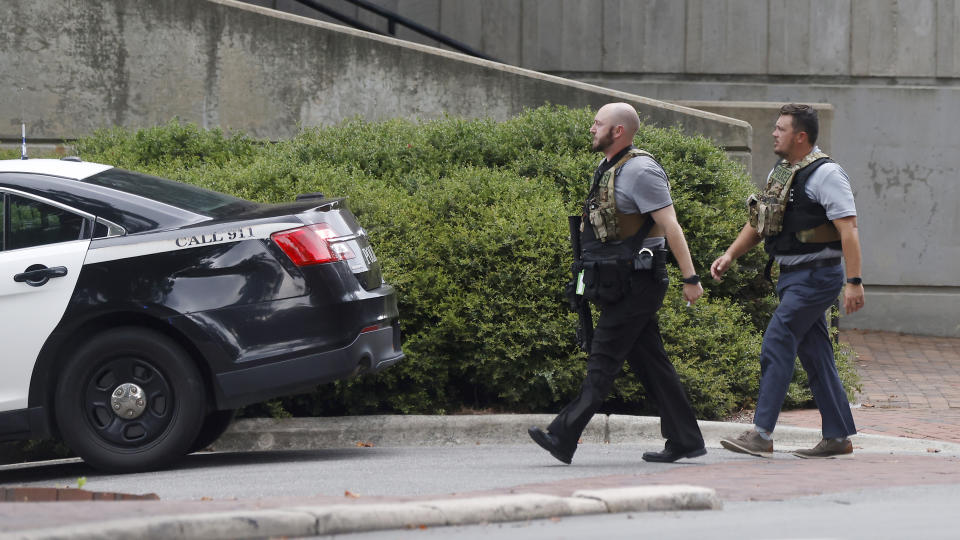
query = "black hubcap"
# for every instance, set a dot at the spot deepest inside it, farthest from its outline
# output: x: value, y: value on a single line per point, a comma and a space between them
x: 156, y: 391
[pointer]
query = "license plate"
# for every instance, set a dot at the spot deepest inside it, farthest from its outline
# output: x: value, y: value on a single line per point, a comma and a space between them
x: 368, y: 255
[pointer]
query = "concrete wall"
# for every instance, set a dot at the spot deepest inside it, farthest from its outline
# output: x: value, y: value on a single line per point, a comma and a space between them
x: 774, y: 37
x: 72, y: 66
x: 890, y: 71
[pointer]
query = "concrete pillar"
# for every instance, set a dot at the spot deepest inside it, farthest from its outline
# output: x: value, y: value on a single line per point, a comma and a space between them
x: 809, y: 37
x: 726, y: 37
x: 643, y: 36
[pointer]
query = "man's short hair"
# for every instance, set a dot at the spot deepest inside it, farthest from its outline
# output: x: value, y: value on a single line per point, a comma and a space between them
x: 804, y: 119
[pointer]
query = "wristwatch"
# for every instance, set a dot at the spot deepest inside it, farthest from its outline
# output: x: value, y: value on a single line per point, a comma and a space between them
x: 692, y: 280
x: 855, y: 281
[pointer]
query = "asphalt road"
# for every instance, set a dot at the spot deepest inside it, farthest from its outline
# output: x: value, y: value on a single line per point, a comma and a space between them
x: 217, y: 482
x: 928, y: 512
x: 396, y: 471
x: 308, y: 489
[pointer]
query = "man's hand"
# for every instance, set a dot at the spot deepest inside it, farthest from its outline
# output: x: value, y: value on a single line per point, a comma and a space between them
x: 692, y: 292
x: 720, y: 266
x: 746, y: 240
x: 852, y: 297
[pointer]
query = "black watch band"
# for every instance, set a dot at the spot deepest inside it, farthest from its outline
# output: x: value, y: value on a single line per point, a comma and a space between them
x: 692, y: 280
x: 855, y: 281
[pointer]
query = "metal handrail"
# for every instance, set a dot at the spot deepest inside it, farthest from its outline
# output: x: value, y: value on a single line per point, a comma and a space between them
x: 393, y: 19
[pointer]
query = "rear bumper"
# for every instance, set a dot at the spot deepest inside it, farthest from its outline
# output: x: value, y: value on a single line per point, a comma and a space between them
x: 371, y: 351
x: 287, y: 346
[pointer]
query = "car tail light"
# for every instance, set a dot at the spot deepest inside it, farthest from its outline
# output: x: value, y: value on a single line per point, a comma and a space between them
x: 313, y: 244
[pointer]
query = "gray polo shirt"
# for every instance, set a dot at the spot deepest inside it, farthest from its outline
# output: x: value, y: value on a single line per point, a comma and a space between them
x: 829, y: 185
x: 640, y: 188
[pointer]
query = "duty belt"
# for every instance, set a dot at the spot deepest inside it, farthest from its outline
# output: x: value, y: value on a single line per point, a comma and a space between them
x: 816, y: 263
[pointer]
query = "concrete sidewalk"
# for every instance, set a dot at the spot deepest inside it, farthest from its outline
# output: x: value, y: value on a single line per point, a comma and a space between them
x: 264, y: 434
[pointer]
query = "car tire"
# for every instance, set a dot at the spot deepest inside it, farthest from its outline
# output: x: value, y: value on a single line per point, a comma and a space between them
x: 214, y: 425
x: 130, y: 399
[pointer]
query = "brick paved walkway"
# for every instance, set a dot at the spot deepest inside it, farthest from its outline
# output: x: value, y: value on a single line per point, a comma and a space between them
x: 911, y: 386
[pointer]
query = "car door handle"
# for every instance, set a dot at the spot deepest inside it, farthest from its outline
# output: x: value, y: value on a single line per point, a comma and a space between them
x: 37, y: 274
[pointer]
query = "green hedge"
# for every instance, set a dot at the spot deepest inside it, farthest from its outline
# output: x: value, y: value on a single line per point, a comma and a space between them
x: 468, y: 219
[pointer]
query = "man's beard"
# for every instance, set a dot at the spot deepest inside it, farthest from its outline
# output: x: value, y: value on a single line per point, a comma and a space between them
x: 603, y: 142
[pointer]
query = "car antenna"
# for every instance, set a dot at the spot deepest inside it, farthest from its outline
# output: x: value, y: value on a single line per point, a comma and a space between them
x: 23, y: 141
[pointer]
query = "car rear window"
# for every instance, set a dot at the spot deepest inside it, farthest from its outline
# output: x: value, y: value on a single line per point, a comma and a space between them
x: 188, y: 197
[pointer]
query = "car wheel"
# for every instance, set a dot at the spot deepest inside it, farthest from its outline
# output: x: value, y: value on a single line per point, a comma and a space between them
x: 130, y: 399
x: 214, y: 425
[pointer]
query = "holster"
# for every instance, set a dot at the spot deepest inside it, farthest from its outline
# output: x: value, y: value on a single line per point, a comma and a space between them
x: 660, y: 266
x: 652, y: 259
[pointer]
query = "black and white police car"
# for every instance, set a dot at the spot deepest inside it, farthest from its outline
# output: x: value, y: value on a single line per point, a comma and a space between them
x: 136, y: 313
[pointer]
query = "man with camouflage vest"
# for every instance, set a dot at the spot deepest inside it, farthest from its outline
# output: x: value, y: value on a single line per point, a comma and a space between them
x: 628, y: 220
x: 807, y: 220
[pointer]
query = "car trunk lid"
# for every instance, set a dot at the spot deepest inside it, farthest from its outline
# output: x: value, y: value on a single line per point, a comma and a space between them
x: 344, y: 235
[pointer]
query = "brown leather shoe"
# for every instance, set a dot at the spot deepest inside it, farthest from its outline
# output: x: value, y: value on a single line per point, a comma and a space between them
x: 827, y: 448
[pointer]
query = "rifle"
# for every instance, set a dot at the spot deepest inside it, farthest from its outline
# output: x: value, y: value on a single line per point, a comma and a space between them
x: 578, y: 303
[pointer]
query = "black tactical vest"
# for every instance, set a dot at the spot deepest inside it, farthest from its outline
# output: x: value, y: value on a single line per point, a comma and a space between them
x: 623, y: 250
x: 636, y: 226
x: 606, y: 263
x: 802, y: 215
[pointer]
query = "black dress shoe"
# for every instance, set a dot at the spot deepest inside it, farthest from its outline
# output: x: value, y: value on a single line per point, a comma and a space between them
x: 551, y: 444
x: 669, y: 456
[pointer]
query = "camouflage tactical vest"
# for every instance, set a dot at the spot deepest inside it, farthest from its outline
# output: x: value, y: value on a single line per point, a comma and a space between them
x: 609, y: 223
x: 767, y: 208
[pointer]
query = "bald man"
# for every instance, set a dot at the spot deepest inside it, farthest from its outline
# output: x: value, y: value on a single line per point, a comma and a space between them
x: 627, y: 223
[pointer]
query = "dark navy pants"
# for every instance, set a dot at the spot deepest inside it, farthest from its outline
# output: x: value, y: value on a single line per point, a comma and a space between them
x: 799, y: 329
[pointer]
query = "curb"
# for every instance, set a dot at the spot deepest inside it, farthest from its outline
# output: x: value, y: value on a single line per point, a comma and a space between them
x: 342, y: 519
x: 260, y: 434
